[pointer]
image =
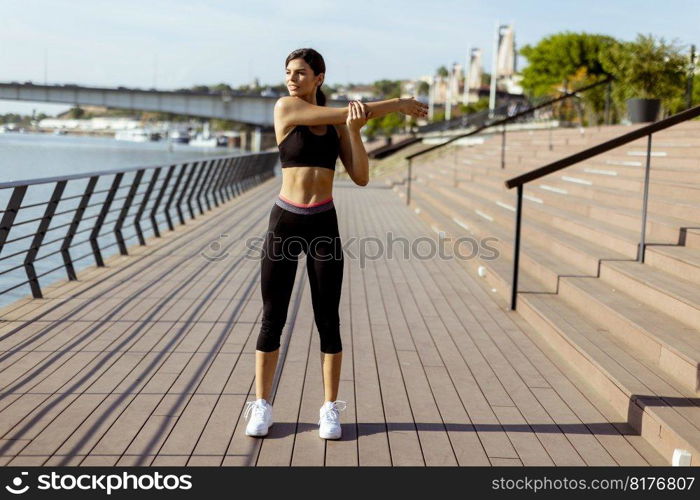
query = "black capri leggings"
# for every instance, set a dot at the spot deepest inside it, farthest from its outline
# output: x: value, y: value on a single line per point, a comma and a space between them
x: 313, y: 229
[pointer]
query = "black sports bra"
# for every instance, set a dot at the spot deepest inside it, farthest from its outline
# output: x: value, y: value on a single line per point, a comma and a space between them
x: 301, y: 147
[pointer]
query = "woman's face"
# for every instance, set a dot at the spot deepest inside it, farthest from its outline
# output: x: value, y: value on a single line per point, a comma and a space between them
x: 300, y: 78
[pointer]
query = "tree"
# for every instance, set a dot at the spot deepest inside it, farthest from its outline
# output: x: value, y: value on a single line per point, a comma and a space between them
x: 648, y: 68
x: 556, y: 59
x: 423, y: 88
x: 473, y: 107
x: 76, y: 113
x: 221, y: 87
x: 386, y: 125
x: 388, y: 88
x: 443, y: 72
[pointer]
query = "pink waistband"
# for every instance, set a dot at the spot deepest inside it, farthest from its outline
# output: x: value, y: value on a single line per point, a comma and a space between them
x: 305, y: 205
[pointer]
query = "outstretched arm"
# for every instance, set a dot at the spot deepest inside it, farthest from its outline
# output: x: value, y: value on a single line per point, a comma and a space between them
x: 407, y: 106
x: 291, y: 110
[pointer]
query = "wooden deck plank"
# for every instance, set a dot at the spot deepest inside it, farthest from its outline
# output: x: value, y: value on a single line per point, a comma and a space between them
x: 415, y: 351
x: 372, y: 438
x: 178, y: 397
x: 607, y: 433
x: 508, y: 370
x: 403, y: 438
x: 462, y: 368
x: 343, y: 452
x: 278, y: 447
x: 55, y: 378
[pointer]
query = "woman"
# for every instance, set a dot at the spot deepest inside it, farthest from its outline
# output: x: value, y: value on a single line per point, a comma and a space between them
x: 310, y: 136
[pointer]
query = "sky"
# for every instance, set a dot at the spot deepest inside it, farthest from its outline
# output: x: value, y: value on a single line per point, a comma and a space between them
x: 171, y: 44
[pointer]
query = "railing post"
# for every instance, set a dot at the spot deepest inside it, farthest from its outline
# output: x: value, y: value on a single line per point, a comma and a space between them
x: 159, y: 198
x: 205, y: 181
x: 195, y: 188
x: 516, y: 248
x: 218, y: 187
x: 39, y: 237
x: 225, y: 185
x: 245, y: 173
x: 173, y: 192
x: 237, y: 175
x: 214, y: 186
x: 181, y: 198
x: 125, y: 210
x: 11, y: 211
x: 503, y: 147
x: 73, y: 228
x: 408, y: 183
x: 144, y: 202
x: 645, y: 199
x: 101, y: 218
x: 211, y: 175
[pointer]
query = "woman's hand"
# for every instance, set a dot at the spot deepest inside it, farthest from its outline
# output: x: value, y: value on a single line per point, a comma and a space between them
x: 358, y: 115
x: 412, y: 107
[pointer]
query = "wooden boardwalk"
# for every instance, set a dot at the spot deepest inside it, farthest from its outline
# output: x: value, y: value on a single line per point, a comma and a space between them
x: 150, y: 360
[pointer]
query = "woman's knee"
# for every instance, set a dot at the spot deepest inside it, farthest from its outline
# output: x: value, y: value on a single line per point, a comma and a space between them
x: 329, y: 333
x: 269, y: 335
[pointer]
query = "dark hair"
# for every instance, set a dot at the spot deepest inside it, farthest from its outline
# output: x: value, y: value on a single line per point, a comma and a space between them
x: 315, y: 60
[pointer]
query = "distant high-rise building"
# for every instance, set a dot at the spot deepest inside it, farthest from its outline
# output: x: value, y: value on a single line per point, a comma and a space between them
x: 506, y: 52
x: 475, y: 69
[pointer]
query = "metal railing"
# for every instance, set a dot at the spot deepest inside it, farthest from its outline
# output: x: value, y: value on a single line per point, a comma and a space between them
x: 476, y: 119
x: 603, y: 147
x: 108, y: 204
x: 513, y: 115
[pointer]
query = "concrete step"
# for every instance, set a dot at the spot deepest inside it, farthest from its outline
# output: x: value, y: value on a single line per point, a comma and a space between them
x: 666, y: 417
x: 687, y: 209
x: 680, y: 261
x: 661, y: 227
x: 670, y: 344
x: 674, y: 207
x: 659, y: 289
x: 692, y: 238
x: 675, y: 296
x: 543, y: 267
x: 620, y: 240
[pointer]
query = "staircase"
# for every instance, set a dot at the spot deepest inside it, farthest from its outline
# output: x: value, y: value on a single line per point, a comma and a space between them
x: 631, y: 329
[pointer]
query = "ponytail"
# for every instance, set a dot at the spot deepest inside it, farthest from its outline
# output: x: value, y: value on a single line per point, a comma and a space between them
x: 320, y: 97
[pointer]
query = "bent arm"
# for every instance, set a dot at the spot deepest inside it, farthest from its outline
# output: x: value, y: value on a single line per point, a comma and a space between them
x: 353, y: 155
x: 360, y: 163
x: 290, y: 110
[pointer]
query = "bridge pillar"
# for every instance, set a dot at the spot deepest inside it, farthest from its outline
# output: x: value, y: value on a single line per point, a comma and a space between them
x: 256, y: 141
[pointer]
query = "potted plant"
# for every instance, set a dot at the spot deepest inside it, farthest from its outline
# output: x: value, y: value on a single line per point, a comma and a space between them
x: 648, y: 72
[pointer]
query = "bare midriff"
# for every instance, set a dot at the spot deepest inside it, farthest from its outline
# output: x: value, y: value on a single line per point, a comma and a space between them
x: 306, y: 185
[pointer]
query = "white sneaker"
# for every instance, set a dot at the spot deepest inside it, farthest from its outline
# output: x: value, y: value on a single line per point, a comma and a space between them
x: 260, y: 412
x: 329, y: 419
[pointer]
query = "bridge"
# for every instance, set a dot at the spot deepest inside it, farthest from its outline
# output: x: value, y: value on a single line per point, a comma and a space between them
x: 147, y: 356
x: 252, y: 110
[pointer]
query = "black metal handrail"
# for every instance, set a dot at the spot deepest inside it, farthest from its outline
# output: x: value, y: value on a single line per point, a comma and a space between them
x: 475, y: 119
x: 647, y: 130
x: 500, y: 122
x: 152, y: 192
